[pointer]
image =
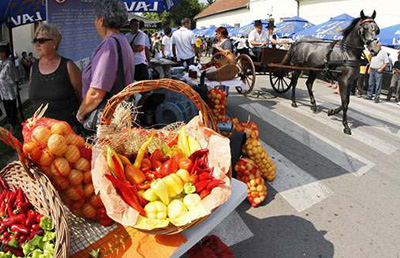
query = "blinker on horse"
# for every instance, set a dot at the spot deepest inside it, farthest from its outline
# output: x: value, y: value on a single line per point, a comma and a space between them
x: 344, y: 57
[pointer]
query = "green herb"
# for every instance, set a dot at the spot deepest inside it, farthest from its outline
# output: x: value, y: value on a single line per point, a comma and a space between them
x: 95, y: 253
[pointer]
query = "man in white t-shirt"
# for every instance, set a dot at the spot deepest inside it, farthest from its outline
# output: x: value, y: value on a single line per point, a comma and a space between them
x: 377, y: 67
x: 258, y: 39
x: 137, y: 40
x: 183, y: 44
x: 166, y: 44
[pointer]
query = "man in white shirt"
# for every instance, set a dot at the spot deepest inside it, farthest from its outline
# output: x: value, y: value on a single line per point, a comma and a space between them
x: 183, y: 44
x: 376, y: 68
x: 258, y: 39
x: 147, y: 48
x: 137, y: 40
x: 166, y: 44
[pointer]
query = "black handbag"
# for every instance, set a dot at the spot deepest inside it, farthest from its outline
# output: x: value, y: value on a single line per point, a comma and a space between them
x: 93, y: 120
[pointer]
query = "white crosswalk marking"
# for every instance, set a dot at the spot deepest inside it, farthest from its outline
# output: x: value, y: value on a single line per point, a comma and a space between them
x: 387, y: 128
x: 374, y: 109
x: 297, y: 187
x: 341, y: 156
x: 364, y: 137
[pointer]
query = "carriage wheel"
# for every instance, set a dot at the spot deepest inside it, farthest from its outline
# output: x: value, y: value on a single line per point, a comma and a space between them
x: 247, y: 73
x: 280, y: 80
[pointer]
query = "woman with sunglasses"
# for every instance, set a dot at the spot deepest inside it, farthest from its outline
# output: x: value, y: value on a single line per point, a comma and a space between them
x: 54, y: 80
x: 111, y: 66
x: 8, y: 86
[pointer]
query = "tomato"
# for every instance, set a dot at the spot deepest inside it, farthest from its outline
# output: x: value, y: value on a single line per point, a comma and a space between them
x: 185, y: 163
x: 87, y: 177
x: 61, y: 183
x: 75, y: 193
x: 156, y: 158
x: 88, y: 189
x: 75, y: 177
x: 77, y: 204
x: 88, y: 211
x: 95, y: 201
x: 85, y: 153
x: 146, y: 163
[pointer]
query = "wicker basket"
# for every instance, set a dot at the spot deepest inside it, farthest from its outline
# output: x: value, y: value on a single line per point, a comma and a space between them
x: 228, y: 69
x: 177, y: 86
x: 39, y: 191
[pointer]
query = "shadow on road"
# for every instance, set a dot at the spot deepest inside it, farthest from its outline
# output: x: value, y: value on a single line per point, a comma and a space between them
x: 283, y: 237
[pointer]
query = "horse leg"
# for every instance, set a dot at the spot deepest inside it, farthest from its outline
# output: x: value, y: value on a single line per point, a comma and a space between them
x: 345, y: 96
x: 309, y: 83
x: 293, y: 83
x: 335, y: 111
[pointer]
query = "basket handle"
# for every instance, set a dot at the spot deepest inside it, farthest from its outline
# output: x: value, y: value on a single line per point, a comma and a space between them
x: 150, y: 85
x: 7, y: 138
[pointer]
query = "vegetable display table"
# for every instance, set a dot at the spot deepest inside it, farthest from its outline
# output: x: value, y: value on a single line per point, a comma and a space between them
x: 196, y: 233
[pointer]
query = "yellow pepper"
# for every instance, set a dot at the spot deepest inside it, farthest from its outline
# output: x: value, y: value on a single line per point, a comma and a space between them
x: 142, y: 151
x: 160, y: 189
x: 156, y: 210
x: 174, y: 184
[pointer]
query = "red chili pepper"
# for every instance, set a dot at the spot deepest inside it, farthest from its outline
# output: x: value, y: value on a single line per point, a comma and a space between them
x: 22, y: 240
x: 3, y: 184
x: 16, y: 219
x: 127, y: 194
x: 201, y: 185
x: 6, y: 235
x: 31, y: 218
x: 18, y: 228
x: 194, y: 167
x: 211, y: 185
x: 205, y: 176
x: 33, y: 233
x: 198, y: 154
x: 23, y: 208
x: 10, y: 203
x: 204, y: 193
x: 19, y: 200
x: 15, y: 251
x: 143, y: 186
x: 174, y: 141
x: 118, y: 169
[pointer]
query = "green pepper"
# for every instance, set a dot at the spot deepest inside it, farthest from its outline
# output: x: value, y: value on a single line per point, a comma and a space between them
x: 13, y: 242
x: 48, y: 236
x: 189, y: 188
x: 46, y: 224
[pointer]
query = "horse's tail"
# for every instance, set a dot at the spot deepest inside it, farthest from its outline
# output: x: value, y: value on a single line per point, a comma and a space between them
x: 288, y: 57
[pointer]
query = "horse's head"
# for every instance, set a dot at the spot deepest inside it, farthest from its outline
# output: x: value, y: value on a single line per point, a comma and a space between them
x: 368, y: 29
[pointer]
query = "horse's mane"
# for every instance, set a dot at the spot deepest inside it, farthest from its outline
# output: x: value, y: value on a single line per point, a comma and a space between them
x: 349, y: 28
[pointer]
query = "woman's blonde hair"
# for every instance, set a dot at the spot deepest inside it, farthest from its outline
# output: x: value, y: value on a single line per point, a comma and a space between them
x: 50, y: 30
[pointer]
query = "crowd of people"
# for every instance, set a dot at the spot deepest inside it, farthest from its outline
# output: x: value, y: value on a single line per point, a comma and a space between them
x: 78, y: 97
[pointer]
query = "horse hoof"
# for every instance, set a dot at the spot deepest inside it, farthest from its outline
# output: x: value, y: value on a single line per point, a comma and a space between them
x: 294, y: 104
x: 347, y: 131
x: 314, y: 109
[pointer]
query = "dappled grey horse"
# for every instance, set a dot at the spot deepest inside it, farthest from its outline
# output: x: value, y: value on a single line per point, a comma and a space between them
x: 344, y: 57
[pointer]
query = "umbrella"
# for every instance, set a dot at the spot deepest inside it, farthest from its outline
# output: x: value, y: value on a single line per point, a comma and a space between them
x: 288, y: 27
x: 210, y: 31
x: 331, y: 29
x: 15, y: 13
x: 390, y: 36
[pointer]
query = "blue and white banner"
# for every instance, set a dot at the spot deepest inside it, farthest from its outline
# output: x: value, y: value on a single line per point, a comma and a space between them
x: 21, y: 12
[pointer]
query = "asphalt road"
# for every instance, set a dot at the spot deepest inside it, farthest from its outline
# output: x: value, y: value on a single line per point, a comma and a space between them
x: 334, y: 195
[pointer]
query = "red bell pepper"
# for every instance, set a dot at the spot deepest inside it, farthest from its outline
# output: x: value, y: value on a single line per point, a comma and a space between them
x: 118, y: 169
x: 127, y: 194
x: 204, y: 193
x: 205, y: 176
x: 156, y: 158
x: 201, y: 185
x: 214, y: 183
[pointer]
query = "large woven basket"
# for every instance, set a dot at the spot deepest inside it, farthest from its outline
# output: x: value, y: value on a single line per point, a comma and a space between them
x: 177, y: 86
x: 39, y: 191
x: 228, y: 69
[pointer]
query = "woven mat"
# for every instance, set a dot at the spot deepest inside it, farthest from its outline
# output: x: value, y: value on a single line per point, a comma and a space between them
x: 84, y: 233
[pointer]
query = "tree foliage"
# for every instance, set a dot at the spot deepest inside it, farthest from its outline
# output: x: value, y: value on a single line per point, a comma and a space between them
x: 185, y: 9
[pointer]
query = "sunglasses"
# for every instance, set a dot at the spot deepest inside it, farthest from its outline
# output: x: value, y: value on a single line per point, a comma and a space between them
x: 40, y: 40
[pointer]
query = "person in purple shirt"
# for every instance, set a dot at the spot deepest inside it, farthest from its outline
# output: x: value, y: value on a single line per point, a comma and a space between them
x: 99, y: 79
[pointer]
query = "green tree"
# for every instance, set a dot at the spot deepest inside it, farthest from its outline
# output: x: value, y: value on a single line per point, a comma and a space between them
x: 185, y: 9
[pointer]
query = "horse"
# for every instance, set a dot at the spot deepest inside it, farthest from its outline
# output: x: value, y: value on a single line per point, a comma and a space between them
x: 344, y: 57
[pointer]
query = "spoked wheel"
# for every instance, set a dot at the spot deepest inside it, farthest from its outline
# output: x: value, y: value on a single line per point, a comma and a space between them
x: 280, y: 80
x: 247, y: 73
